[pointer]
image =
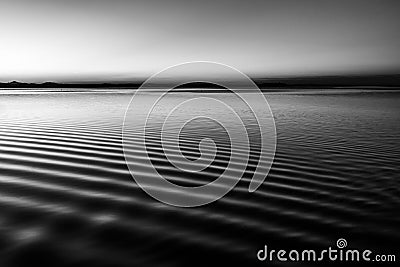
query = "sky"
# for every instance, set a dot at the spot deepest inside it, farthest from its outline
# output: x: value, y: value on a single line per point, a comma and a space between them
x: 90, y: 40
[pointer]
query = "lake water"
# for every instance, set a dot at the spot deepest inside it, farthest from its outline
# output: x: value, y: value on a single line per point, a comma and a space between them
x: 67, y: 197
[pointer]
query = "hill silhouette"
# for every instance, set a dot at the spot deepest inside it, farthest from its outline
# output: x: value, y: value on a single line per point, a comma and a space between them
x: 312, y: 82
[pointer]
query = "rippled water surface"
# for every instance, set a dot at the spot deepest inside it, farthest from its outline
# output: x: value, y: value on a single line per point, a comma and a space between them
x: 67, y: 197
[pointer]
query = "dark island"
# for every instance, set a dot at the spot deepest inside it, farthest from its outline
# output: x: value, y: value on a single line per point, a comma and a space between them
x: 316, y: 82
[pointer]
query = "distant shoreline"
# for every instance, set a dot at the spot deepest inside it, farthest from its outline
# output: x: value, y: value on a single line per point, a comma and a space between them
x: 302, y: 91
x: 317, y: 82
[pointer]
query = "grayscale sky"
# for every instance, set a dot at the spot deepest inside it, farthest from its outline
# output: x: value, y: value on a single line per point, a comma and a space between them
x: 60, y: 40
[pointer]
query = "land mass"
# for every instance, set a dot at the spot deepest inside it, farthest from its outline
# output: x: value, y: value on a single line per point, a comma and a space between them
x: 316, y: 82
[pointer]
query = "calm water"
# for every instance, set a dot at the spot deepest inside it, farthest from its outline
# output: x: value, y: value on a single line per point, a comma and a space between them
x: 67, y: 197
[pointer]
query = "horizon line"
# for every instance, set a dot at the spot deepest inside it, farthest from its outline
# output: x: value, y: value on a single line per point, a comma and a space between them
x: 91, y: 80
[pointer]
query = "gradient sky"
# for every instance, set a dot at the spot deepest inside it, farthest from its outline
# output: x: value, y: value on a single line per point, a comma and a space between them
x: 60, y: 40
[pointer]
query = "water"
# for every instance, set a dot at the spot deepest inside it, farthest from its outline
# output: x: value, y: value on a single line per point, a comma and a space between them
x: 67, y: 197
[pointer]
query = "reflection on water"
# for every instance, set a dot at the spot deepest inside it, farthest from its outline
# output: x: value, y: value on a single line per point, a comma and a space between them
x: 66, y: 195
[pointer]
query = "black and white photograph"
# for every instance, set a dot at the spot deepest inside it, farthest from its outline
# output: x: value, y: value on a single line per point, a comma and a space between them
x: 199, y: 133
